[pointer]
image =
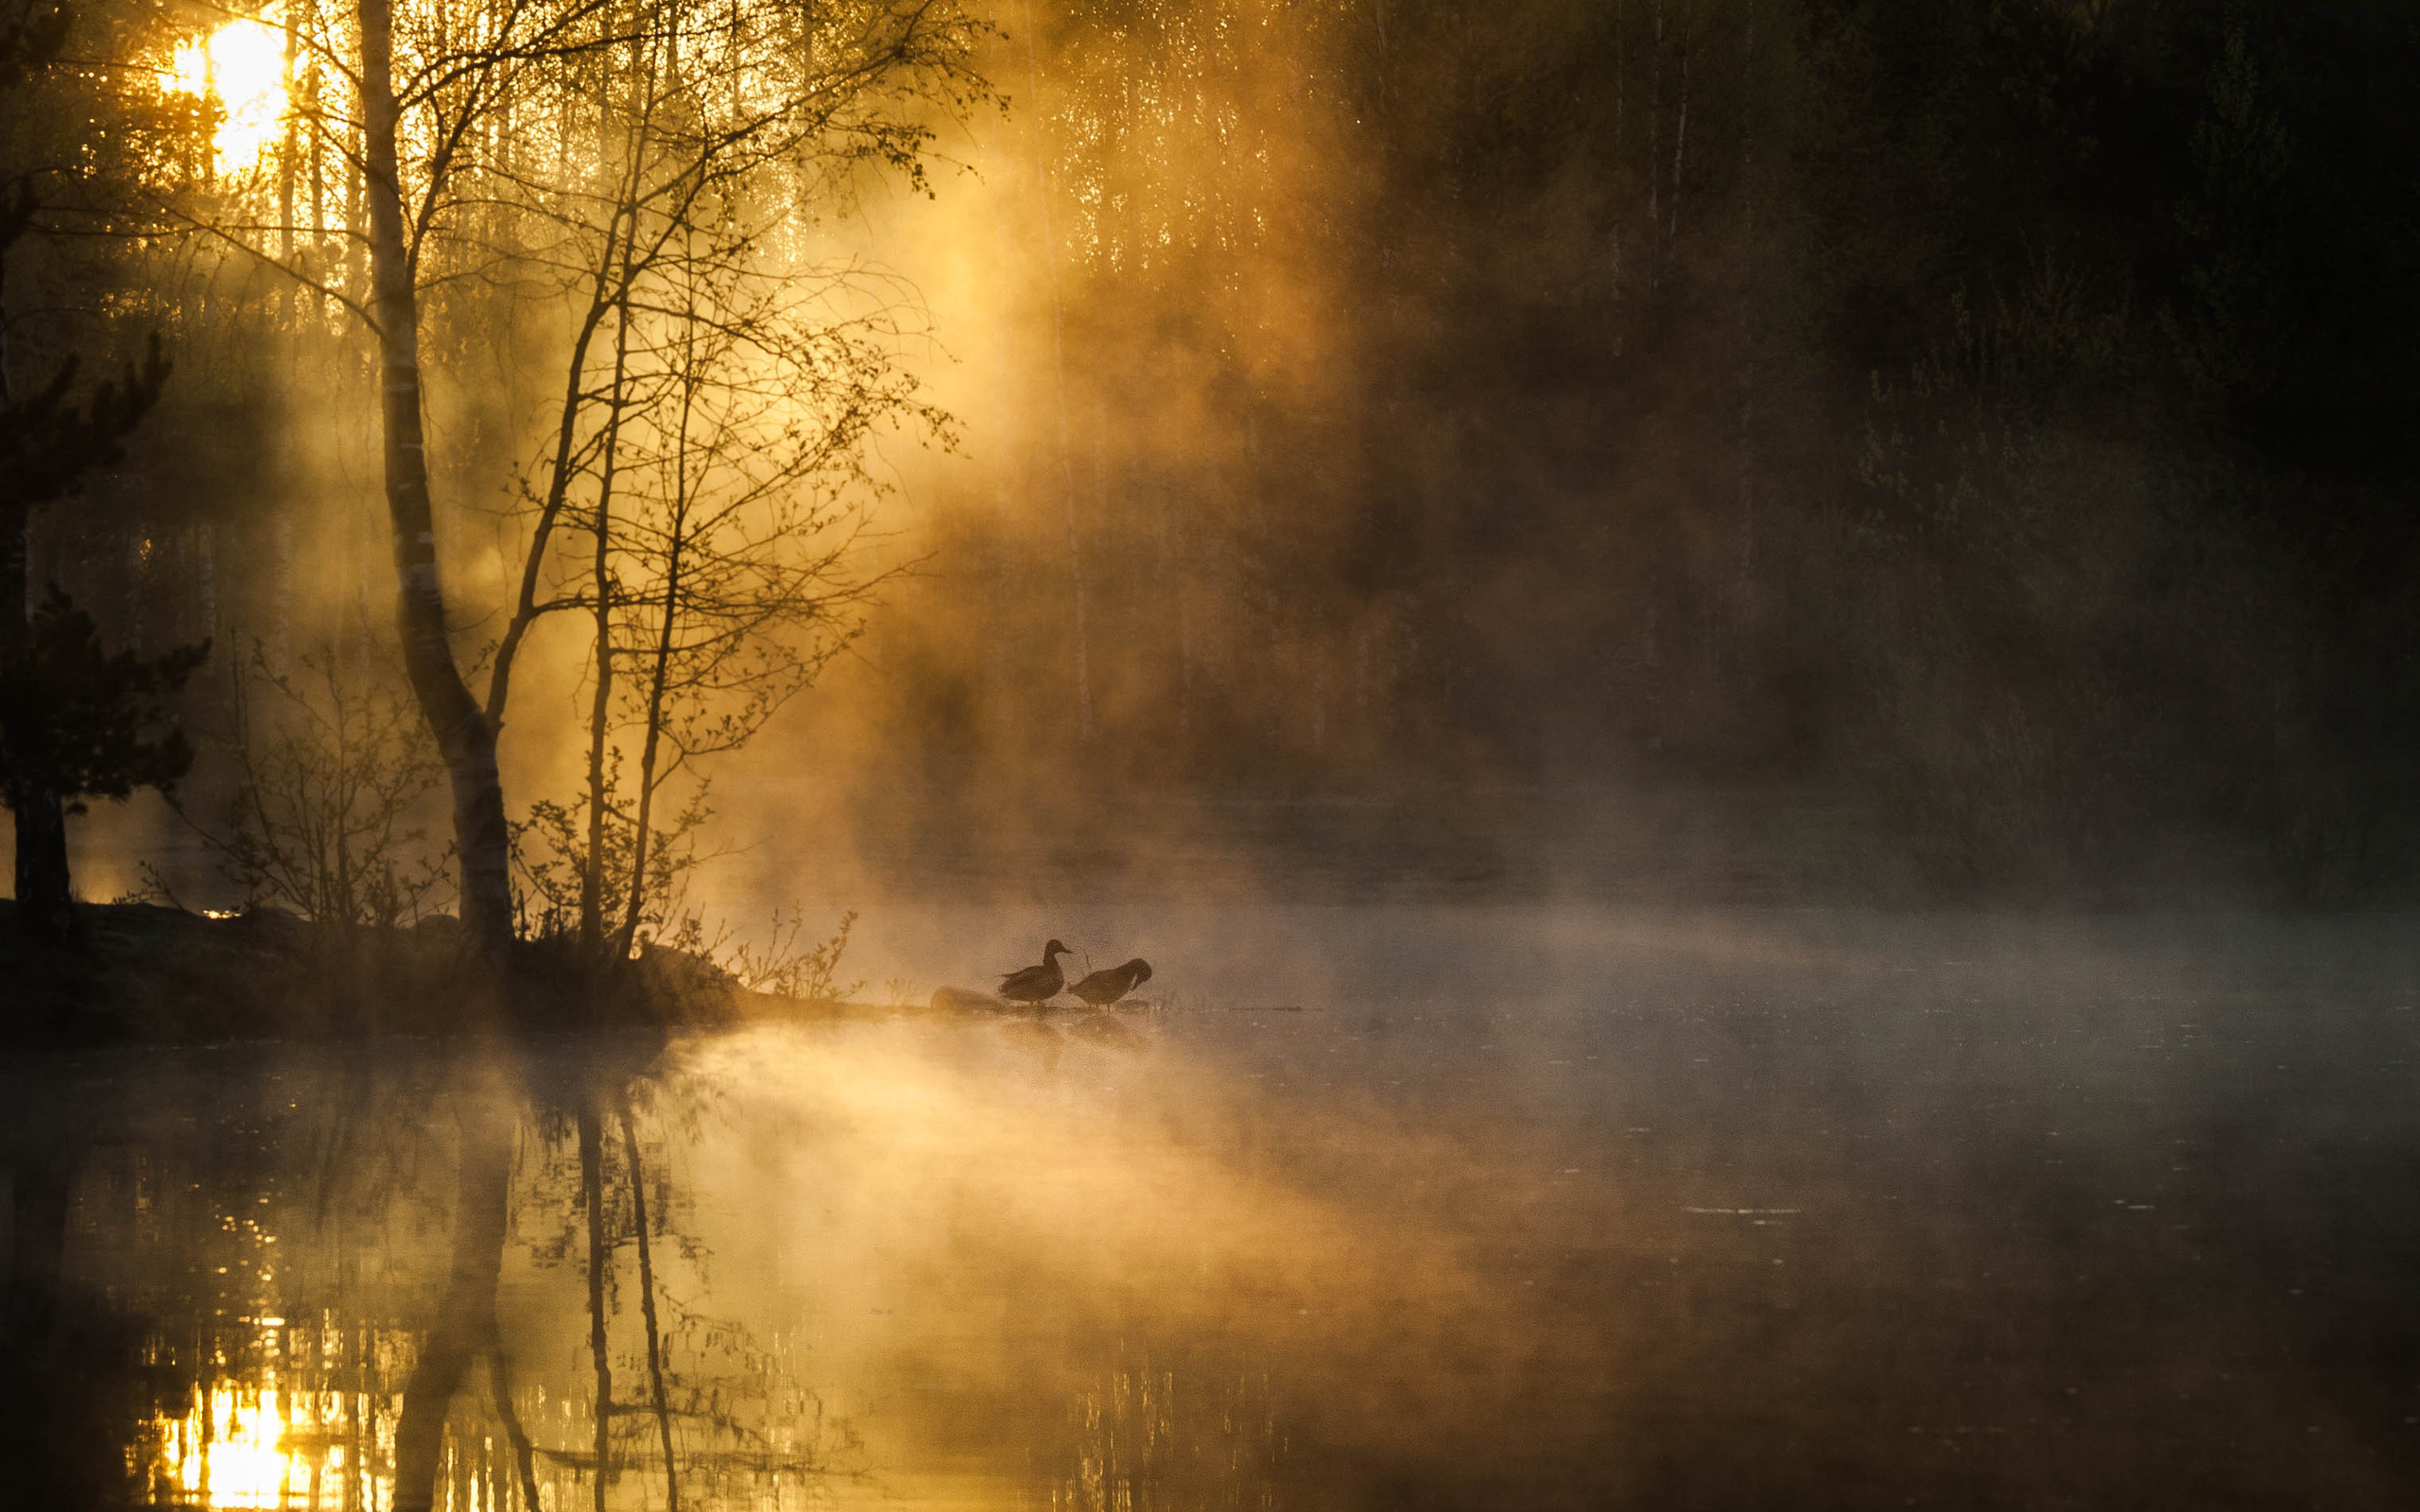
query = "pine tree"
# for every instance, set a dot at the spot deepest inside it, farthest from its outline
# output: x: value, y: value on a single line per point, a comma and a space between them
x: 79, y: 721
x: 72, y: 717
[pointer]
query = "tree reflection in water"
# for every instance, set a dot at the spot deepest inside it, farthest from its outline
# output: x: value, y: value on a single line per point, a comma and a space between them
x: 1148, y: 1435
x: 1557, y: 1253
x: 249, y: 1286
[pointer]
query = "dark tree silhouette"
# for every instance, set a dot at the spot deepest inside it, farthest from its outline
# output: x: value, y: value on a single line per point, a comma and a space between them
x: 77, y: 721
x: 72, y: 717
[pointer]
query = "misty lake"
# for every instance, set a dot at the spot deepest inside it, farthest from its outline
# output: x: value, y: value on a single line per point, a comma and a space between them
x: 1533, y: 1206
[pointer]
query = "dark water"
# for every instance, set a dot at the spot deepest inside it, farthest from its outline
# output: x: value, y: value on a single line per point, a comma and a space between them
x: 1380, y: 1208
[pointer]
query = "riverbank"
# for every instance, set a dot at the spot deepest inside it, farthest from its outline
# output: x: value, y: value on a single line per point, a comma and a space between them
x: 144, y: 974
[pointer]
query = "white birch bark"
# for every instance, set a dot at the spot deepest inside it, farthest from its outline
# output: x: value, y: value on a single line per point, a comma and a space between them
x: 464, y: 737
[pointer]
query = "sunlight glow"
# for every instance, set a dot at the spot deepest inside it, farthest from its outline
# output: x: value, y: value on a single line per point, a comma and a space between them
x: 237, y: 1459
x: 277, y: 1440
x: 241, y: 65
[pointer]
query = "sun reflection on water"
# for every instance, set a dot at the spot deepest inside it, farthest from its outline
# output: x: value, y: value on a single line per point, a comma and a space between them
x: 277, y: 1440
x: 230, y: 1451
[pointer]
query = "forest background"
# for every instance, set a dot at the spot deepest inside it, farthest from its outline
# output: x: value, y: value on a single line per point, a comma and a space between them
x: 1953, y: 447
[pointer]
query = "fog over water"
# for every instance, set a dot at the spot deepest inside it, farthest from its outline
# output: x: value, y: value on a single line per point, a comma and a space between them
x: 1382, y: 1207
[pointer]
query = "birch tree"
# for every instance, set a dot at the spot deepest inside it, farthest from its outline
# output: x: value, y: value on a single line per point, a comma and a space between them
x: 544, y: 158
x: 721, y: 386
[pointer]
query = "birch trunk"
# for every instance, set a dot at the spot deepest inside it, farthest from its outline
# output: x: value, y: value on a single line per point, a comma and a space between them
x: 464, y: 737
x: 659, y: 679
x: 660, y: 673
x: 591, y: 875
x: 1679, y: 134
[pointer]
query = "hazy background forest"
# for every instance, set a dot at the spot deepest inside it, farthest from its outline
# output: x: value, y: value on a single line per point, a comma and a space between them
x: 1932, y: 447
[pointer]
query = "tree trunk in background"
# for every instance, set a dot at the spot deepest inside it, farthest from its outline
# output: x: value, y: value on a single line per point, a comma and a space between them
x: 1059, y: 370
x: 1679, y: 134
x: 464, y: 737
x: 45, y: 905
x: 137, y: 539
x: 1655, y: 155
x: 287, y: 152
x: 1748, y: 596
x: 45, y: 908
x: 1621, y: 80
x: 205, y: 559
x: 1181, y: 569
x: 1621, y: 128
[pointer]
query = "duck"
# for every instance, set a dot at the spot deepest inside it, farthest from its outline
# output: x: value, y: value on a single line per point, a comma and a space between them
x: 1037, y: 984
x: 1104, y: 987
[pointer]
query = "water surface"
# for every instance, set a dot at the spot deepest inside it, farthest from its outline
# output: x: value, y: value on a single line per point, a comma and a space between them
x: 1520, y: 1206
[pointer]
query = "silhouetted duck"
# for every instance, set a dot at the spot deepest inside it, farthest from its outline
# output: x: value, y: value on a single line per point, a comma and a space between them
x: 1037, y: 984
x: 1104, y: 987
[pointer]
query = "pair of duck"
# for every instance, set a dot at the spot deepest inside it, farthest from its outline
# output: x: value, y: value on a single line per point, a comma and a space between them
x: 1040, y: 984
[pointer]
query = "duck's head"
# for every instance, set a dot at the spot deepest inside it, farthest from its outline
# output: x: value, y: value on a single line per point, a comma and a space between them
x: 1138, y: 968
x: 1053, y: 950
